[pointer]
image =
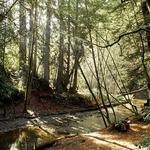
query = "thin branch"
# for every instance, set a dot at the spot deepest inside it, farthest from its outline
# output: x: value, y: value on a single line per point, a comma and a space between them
x: 120, y: 37
x: 113, y: 43
x: 4, y: 15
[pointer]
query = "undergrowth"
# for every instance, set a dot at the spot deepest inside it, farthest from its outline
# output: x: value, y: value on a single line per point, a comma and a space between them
x: 145, y: 142
x: 146, y: 114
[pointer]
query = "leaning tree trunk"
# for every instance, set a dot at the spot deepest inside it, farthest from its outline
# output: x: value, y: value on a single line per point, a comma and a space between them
x: 22, y: 43
x: 95, y: 66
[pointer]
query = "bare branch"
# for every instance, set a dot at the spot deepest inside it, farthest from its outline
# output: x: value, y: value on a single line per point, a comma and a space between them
x: 119, y: 38
x: 4, y: 15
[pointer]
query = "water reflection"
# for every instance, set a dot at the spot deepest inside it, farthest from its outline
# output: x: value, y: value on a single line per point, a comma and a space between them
x: 24, y: 139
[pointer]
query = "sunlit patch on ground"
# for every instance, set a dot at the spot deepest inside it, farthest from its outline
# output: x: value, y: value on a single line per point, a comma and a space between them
x: 106, y: 140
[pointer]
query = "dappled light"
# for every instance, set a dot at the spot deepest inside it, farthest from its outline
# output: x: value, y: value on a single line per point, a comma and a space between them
x: 74, y: 74
x: 58, y: 125
x: 120, y: 140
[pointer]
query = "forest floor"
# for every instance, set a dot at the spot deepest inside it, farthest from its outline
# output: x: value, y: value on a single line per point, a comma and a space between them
x: 105, y: 140
x: 50, y: 105
x: 44, y: 112
x: 37, y: 106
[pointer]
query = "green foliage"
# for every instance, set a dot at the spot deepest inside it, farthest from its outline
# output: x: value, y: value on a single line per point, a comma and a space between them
x: 11, y: 58
x: 121, y: 126
x: 123, y: 98
x: 134, y: 70
x: 145, y: 142
x: 146, y: 113
x: 7, y: 90
x: 109, y: 18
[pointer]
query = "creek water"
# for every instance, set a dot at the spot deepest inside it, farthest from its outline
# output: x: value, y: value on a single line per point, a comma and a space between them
x: 52, y: 127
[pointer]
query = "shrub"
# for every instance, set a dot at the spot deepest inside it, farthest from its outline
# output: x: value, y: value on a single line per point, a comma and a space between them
x: 146, y: 114
x: 7, y: 90
x: 145, y: 142
x: 121, y: 126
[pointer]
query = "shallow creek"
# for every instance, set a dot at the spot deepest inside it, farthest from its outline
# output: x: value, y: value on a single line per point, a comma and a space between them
x: 25, y: 134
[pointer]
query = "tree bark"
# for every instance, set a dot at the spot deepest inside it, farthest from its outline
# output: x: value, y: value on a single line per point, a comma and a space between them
x: 76, y: 49
x: 46, y: 51
x: 3, y: 25
x: 34, y: 68
x: 67, y: 75
x: 146, y: 12
x: 22, y: 43
x: 30, y: 57
x: 60, y: 75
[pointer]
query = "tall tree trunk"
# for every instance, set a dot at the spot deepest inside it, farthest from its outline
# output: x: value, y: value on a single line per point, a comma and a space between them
x: 29, y: 76
x: 67, y: 76
x: 22, y: 43
x: 76, y: 49
x: 146, y: 13
x: 30, y: 57
x: 34, y: 68
x: 46, y: 51
x: 3, y: 25
x: 60, y: 75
